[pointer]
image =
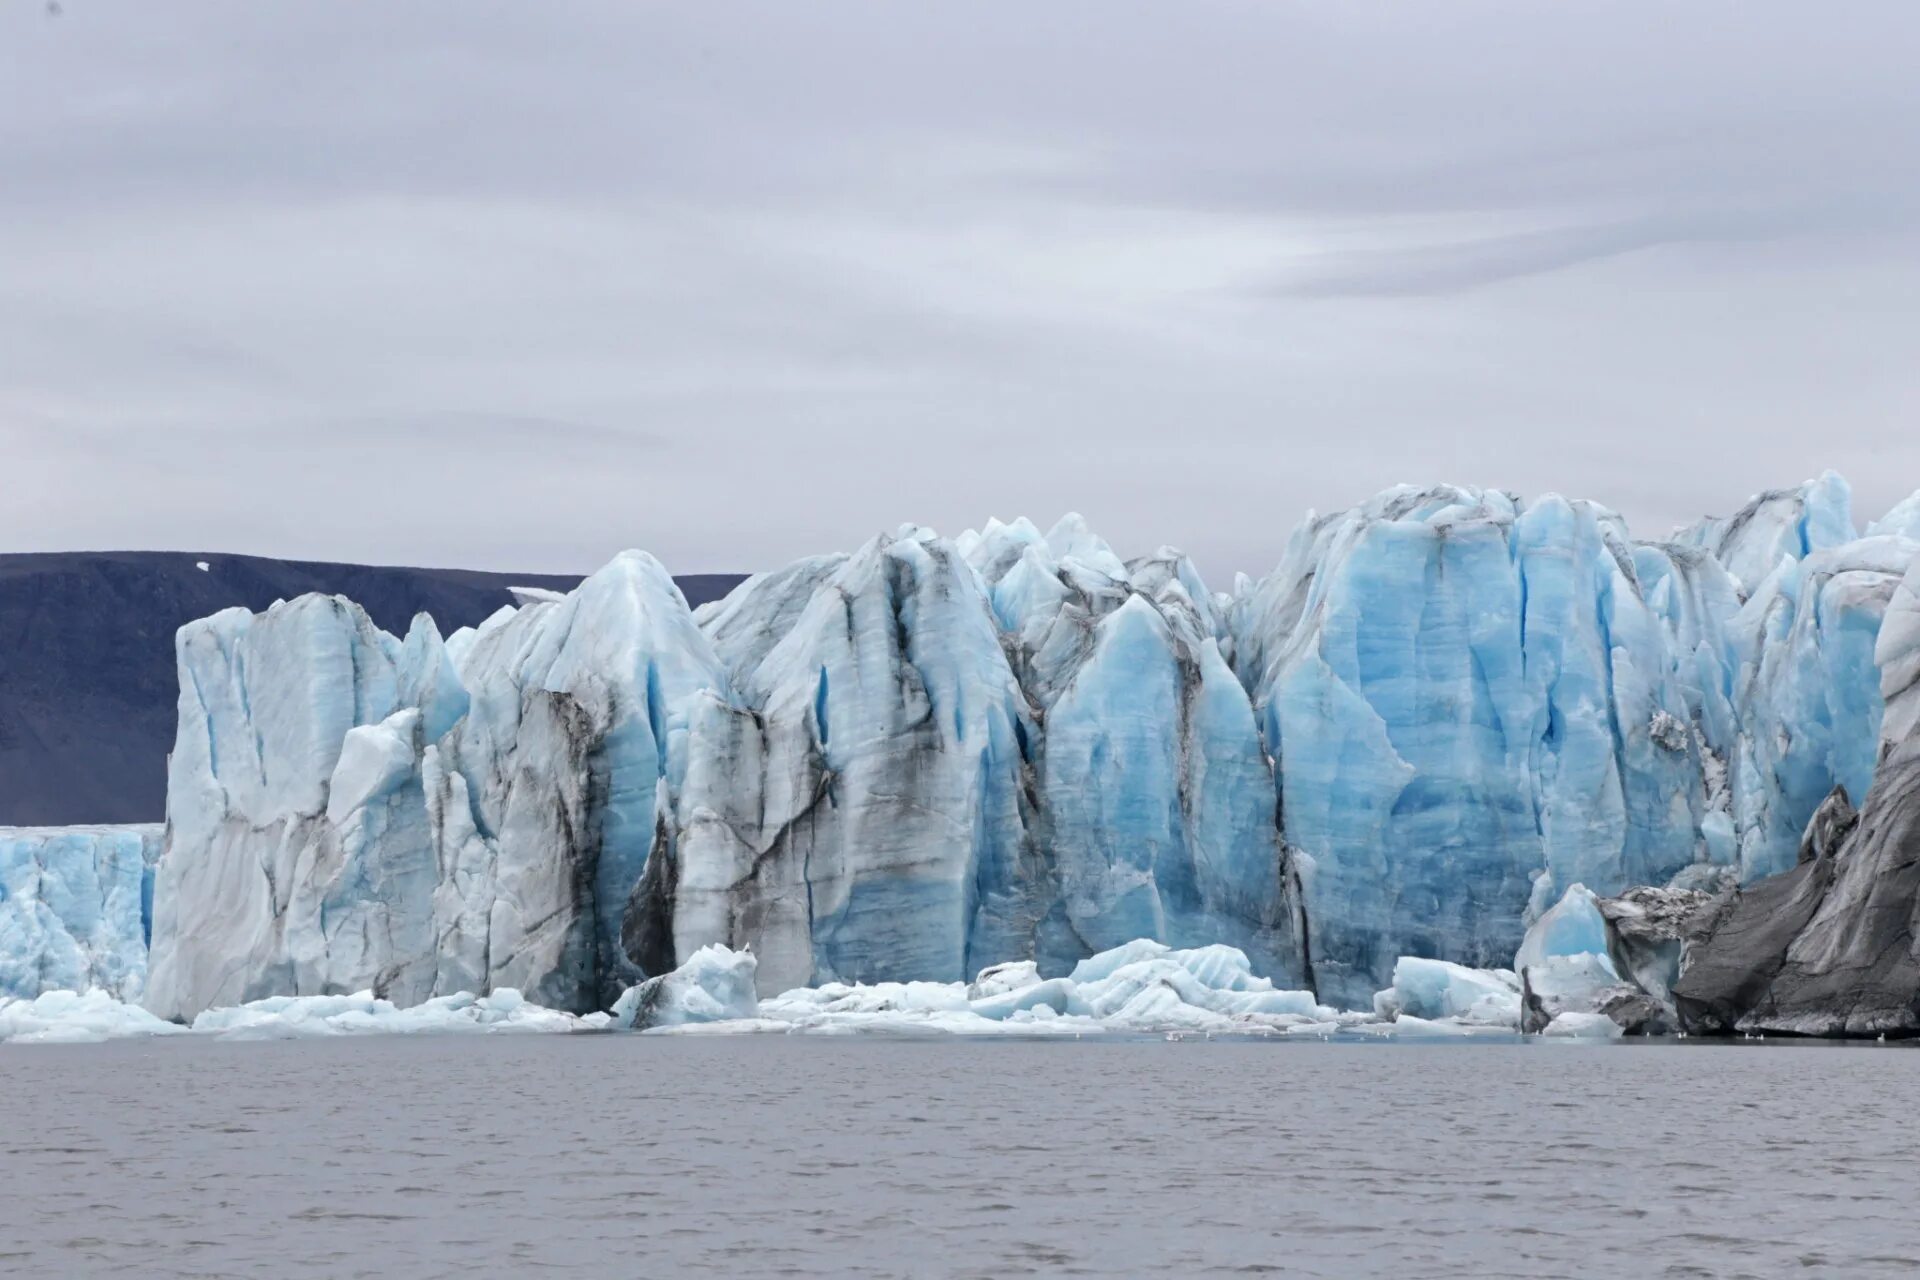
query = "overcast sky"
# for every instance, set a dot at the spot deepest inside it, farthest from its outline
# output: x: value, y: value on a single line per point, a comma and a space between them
x: 515, y: 285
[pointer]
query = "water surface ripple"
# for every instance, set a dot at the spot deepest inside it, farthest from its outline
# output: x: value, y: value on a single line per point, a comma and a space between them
x: 764, y: 1156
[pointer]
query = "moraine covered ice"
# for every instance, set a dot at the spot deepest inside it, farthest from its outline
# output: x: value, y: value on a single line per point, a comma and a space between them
x: 860, y: 803
x: 1441, y: 711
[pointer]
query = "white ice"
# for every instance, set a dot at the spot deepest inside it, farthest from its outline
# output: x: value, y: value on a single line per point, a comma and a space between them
x: 714, y: 985
x: 64, y: 1017
x: 308, y: 1017
x: 1141, y: 987
x: 1583, y: 1026
x: 1436, y: 991
x: 68, y: 1017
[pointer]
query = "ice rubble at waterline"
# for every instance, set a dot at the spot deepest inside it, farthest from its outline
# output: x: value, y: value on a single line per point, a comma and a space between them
x: 1141, y: 987
x: 67, y: 1017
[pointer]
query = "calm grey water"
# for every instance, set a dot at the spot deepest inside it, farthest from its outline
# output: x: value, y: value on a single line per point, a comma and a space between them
x: 632, y: 1156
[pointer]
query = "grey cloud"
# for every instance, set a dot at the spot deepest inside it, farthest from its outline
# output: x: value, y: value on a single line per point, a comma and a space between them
x: 502, y: 284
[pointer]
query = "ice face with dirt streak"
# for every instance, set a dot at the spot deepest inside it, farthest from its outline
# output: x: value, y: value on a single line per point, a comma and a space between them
x: 1441, y: 709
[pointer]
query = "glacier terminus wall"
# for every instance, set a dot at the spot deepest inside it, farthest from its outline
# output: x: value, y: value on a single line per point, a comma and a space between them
x: 76, y: 908
x: 930, y: 755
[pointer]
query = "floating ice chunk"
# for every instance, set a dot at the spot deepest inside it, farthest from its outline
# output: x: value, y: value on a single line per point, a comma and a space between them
x: 999, y: 979
x: 1055, y: 996
x: 1578, y: 983
x: 1161, y: 1006
x: 1565, y: 960
x: 1411, y: 1027
x: 1584, y: 1026
x: 1217, y: 980
x: 310, y: 1017
x: 869, y: 998
x: 1574, y: 926
x: 1105, y: 964
x: 1220, y: 968
x: 1114, y: 995
x: 1437, y: 989
x: 1320, y: 1030
x: 1139, y: 987
x: 67, y: 1017
x: 714, y: 985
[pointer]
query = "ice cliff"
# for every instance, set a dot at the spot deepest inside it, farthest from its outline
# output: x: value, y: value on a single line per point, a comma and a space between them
x: 1464, y: 693
x: 1440, y: 711
x: 348, y: 810
x: 859, y: 806
x: 76, y: 909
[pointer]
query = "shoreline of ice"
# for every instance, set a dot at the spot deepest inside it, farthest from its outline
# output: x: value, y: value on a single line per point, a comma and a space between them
x: 1140, y: 989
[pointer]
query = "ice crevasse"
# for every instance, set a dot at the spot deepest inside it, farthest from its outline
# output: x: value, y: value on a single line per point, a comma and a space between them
x: 929, y: 755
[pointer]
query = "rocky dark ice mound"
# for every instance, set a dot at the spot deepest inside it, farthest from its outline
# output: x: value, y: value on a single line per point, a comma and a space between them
x: 1828, y: 948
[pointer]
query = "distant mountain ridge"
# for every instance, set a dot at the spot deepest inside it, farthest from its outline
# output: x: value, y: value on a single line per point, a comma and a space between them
x: 87, y: 681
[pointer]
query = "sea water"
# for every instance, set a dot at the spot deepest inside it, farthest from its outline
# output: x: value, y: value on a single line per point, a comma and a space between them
x: 603, y: 1155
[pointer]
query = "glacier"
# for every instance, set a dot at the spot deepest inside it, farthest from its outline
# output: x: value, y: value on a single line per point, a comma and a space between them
x: 856, y: 811
x: 76, y: 908
x: 1809, y: 700
x: 1447, y: 716
x: 365, y: 815
x: 1464, y: 693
